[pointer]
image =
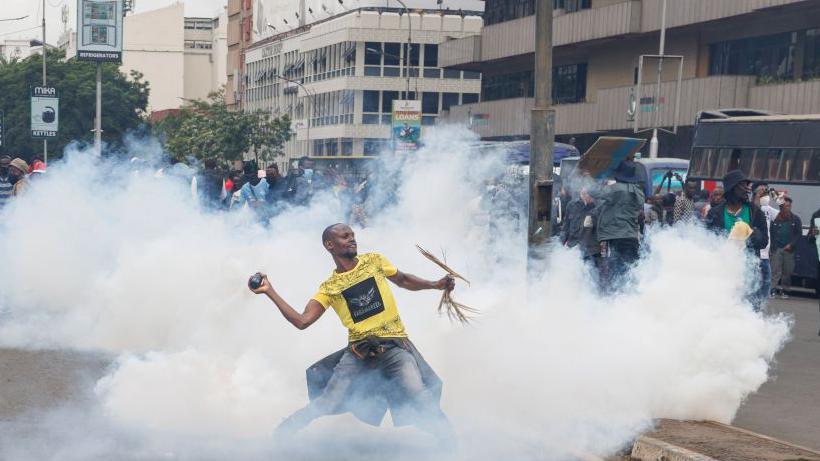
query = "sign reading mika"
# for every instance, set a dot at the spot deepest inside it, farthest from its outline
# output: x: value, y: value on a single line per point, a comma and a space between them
x: 99, y: 30
x: 45, y: 112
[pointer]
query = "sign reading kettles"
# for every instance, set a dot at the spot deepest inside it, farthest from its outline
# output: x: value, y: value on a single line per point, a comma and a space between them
x: 99, y: 30
x: 406, y: 125
x: 45, y: 112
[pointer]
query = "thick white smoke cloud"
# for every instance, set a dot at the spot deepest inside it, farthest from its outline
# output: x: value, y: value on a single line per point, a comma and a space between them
x: 97, y: 257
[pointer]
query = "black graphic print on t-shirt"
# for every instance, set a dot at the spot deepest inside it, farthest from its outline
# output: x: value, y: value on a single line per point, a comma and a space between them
x: 363, y: 300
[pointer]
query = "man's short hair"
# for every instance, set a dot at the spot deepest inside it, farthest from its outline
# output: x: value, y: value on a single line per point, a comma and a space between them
x: 329, y: 230
x: 787, y: 199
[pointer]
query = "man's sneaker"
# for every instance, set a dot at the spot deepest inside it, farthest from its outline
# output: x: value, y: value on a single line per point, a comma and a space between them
x: 783, y: 295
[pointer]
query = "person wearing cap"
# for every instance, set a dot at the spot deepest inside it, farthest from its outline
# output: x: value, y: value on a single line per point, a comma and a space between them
x: 738, y: 211
x: 619, y: 222
x: 6, y: 181
x: 18, y: 169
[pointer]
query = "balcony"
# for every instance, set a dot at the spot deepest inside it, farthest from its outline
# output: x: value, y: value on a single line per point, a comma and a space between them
x: 463, y: 53
x: 511, y: 117
x: 686, y: 12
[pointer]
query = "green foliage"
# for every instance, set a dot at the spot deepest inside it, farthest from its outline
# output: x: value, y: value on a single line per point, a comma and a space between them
x: 208, y: 130
x: 124, y: 102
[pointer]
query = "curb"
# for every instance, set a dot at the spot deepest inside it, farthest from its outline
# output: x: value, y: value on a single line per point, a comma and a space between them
x: 651, y: 449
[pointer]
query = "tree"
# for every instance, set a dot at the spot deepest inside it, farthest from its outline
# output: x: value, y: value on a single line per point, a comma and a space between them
x: 208, y: 130
x: 124, y: 102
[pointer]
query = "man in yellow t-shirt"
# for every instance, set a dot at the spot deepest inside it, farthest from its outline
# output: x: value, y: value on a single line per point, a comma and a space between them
x: 380, y: 363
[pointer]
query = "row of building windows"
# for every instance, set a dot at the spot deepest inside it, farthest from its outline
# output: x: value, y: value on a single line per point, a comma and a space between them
x: 333, y: 108
x: 770, y: 58
x: 569, y: 84
x: 377, y: 106
x: 331, y: 147
x: 496, y: 11
x: 198, y: 45
x: 798, y: 165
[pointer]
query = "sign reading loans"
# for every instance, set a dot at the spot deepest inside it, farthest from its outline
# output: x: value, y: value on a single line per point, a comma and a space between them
x: 99, y: 30
x: 406, y: 125
x: 45, y: 112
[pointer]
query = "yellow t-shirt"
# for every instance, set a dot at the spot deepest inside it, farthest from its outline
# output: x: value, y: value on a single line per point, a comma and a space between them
x: 363, y: 300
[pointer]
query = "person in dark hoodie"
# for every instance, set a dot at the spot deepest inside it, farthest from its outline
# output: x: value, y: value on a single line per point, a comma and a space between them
x: 737, y: 207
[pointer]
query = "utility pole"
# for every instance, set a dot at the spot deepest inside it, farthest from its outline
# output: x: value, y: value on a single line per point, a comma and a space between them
x: 653, y: 143
x: 45, y: 141
x: 542, y: 133
x: 406, y: 59
x: 98, y: 118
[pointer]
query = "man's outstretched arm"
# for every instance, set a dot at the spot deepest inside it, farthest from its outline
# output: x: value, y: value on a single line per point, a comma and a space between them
x: 414, y: 283
x: 311, y: 314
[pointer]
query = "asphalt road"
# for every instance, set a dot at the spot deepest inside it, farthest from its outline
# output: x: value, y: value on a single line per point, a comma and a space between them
x: 34, y: 383
x: 788, y: 406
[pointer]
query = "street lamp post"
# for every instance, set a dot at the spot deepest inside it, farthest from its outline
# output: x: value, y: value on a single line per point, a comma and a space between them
x: 310, y: 108
x: 45, y: 141
x: 406, y: 59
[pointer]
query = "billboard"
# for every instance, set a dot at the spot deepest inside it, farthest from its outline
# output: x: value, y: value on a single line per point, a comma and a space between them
x: 406, y: 125
x: 45, y: 112
x: 99, y: 30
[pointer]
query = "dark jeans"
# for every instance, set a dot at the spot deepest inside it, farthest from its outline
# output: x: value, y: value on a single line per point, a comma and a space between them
x: 761, y: 298
x: 395, y: 365
x: 620, y: 255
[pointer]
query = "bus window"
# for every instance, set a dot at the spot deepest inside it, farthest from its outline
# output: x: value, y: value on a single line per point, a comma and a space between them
x: 806, y: 166
x: 758, y: 170
x: 710, y: 162
x: 724, y: 161
x: 746, y: 159
x: 695, y: 164
x: 772, y: 160
x: 787, y: 161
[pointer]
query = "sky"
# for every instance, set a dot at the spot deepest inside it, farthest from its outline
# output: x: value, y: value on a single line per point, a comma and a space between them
x: 29, y: 27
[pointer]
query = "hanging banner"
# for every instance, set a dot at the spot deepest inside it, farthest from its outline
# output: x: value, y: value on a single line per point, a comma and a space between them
x: 45, y: 112
x: 406, y: 126
x: 99, y: 30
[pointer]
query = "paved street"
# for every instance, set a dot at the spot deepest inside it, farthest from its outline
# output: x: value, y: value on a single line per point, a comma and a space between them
x: 784, y: 408
x: 787, y: 406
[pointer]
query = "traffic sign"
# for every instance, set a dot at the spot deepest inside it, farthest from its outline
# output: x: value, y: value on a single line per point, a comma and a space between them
x: 45, y: 112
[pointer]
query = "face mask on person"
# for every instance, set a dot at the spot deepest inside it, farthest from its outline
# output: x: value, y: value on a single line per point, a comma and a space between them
x: 308, y: 173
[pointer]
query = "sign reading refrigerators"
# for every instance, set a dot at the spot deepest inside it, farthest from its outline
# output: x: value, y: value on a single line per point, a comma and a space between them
x: 45, y: 112
x: 99, y: 30
x: 406, y: 125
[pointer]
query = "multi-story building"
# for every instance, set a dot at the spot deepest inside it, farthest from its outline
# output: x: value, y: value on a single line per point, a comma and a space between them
x: 17, y: 49
x: 762, y: 54
x: 181, y: 58
x: 338, y: 76
x: 241, y: 34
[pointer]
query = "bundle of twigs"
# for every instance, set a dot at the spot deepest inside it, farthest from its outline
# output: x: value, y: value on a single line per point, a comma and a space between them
x: 454, y: 309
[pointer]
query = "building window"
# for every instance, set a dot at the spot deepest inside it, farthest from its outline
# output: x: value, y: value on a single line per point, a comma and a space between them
x: 448, y: 100
x: 387, y: 101
x: 430, y: 55
x: 392, y: 54
x: 347, y: 146
x: 496, y: 11
x: 506, y: 86
x: 811, y: 53
x: 571, y: 6
x: 471, y: 75
x: 415, y: 50
x: 370, y: 101
x: 429, y: 103
x: 372, y: 53
x: 469, y: 98
x: 569, y: 84
x: 769, y: 57
x: 452, y: 73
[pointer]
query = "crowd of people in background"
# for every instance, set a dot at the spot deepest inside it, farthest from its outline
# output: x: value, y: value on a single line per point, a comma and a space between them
x: 608, y: 223
x: 267, y: 192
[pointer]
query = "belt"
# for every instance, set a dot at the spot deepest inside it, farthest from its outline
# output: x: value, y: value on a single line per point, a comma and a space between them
x: 373, y: 346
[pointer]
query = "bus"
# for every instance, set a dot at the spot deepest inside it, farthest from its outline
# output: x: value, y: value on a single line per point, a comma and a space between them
x: 780, y: 150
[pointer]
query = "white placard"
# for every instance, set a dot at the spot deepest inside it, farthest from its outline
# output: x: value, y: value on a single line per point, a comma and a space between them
x: 99, y: 30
